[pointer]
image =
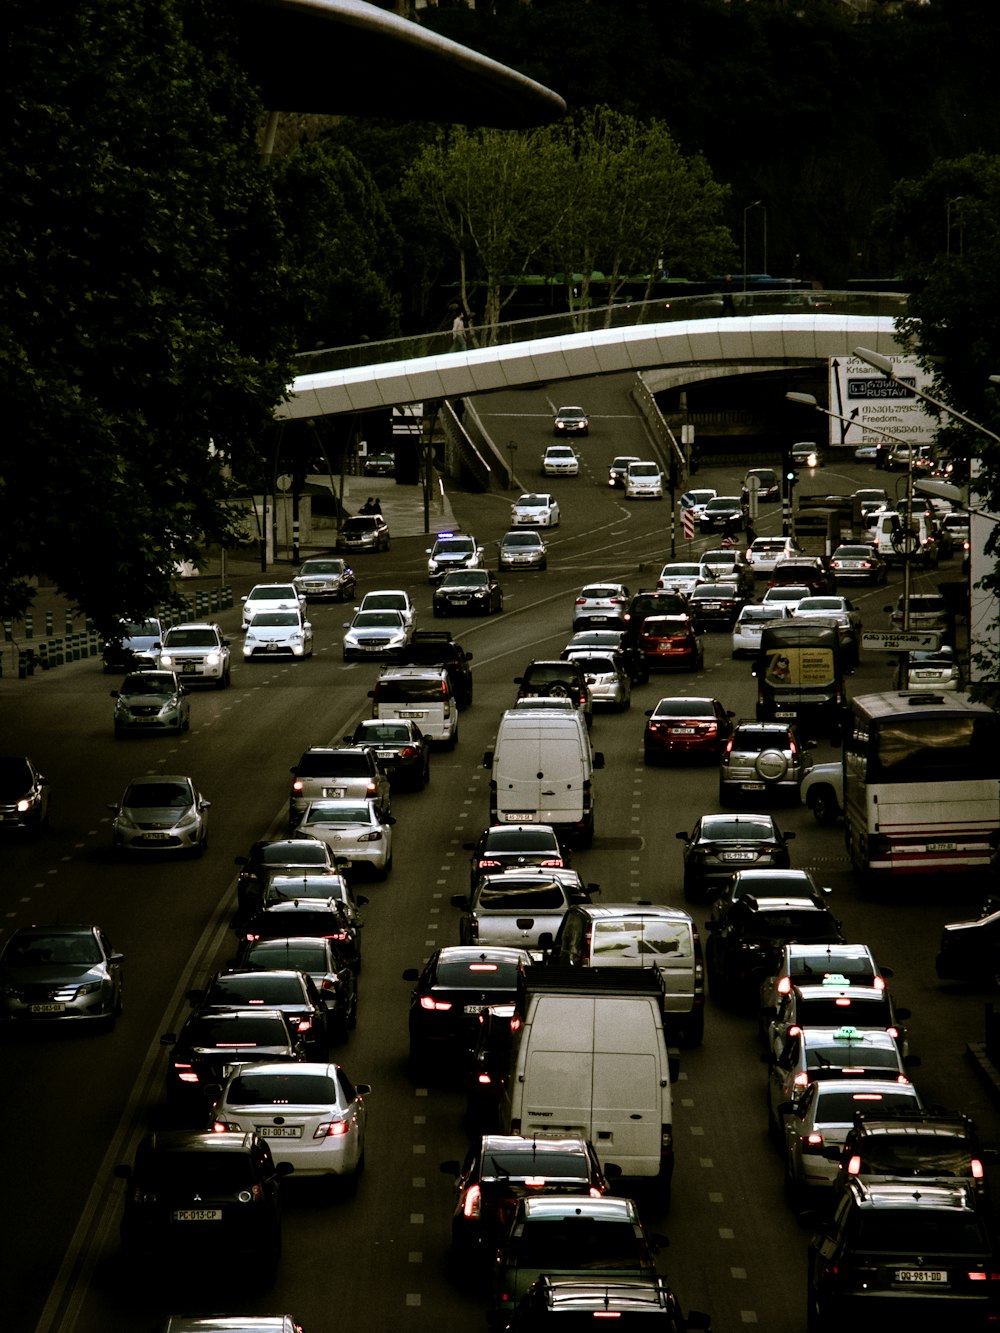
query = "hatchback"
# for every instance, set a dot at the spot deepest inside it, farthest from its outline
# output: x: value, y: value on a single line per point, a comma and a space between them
x: 669, y: 642
x: 61, y: 973
x: 685, y: 726
x: 355, y: 831
x: 720, y: 844
x: 522, y: 550
x: 763, y: 760
x: 600, y: 605
x: 535, y: 509
x: 933, y: 670
x: 161, y: 814
x: 151, y: 701
x: 272, y: 633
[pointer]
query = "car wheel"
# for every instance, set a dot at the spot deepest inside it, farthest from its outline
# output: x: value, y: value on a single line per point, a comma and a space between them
x: 824, y: 805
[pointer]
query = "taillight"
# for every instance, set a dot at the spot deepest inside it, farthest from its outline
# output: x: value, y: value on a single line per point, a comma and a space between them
x: 729, y: 746
x: 893, y: 1033
x: 407, y: 752
x: 794, y: 1031
x: 976, y: 1168
x: 471, y: 1204
x: 553, y: 861
x: 487, y: 865
x: 784, y: 985
x: 331, y: 1129
x: 297, y: 785
x: 581, y: 601
x: 304, y: 1025
x: 185, y: 1073
x: 878, y: 983
x: 800, y: 1080
x: 814, y: 1140
x: 854, y: 1166
x: 429, y: 1002
x: 371, y: 789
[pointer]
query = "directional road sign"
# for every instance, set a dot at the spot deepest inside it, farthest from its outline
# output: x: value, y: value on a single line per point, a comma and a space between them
x: 901, y: 641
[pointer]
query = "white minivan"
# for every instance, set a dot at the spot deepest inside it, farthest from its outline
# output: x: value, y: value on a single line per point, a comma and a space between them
x: 542, y: 772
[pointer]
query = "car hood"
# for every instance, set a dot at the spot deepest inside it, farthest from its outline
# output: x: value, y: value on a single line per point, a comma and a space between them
x: 266, y: 632
x: 50, y: 974
x: 472, y: 585
x: 157, y: 816
x: 376, y: 632
x: 161, y: 697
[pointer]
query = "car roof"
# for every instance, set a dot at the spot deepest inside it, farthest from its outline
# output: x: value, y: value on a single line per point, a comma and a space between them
x: 632, y: 911
x: 537, y: 1144
x: 558, y: 1206
x: 458, y: 953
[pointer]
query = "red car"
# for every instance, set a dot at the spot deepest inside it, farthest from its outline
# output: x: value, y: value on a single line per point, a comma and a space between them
x: 670, y: 641
x: 686, y: 726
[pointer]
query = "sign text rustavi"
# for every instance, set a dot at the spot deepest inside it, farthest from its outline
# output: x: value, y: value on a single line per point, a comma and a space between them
x: 873, y: 403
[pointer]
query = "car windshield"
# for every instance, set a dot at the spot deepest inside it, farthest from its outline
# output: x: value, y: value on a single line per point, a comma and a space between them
x: 291, y: 1089
x: 454, y: 546
x: 385, y: 601
x: 274, y: 619
x: 522, y: 539
x: 752, y: 738
x: 149, y: 682
x: 322, y: 567
x: 356, y: 526
x: 533, y: 502
x: 468, y: 578
x: 44, y: 950
x: 643, y: 470
x: 190, y: 638
x: 158, y: 795
x: 275, y: 593
x: 378, y: 620
x: 601, y: 591
x: 141, y: 629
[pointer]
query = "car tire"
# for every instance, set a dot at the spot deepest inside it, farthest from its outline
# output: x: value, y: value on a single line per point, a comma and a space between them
x: 824, y: 806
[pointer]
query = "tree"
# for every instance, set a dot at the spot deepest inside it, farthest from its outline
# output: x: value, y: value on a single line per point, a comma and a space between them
x: 146, y: 324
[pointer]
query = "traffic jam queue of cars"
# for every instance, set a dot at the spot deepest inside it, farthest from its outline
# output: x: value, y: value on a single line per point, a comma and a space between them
x: 546, y: 973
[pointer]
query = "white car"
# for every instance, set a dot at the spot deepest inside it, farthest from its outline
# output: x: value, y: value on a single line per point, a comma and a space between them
x: 789, y: 596
x: 866, y: 452
x: 391, y: 599
x: 749, y: 623
x: 606, y: 678
x: 272, y: 597
x: 680, y: 577
x: 452, y: 551
x: 934, y: 670
x: 643, y: 481
x: 559, y: 460
x: 354, y: 831
x: 311, y: 1115
x: 160, y: 813
x: 375, y: 634
x: 196, y: 652
x: 538, y: 510
x: 841, y: 609
x: 271, y: 633
x: 697, y: 499
x: 765, y: 552
x: 600, y: 604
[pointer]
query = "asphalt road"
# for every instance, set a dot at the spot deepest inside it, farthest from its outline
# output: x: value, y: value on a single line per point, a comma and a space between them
x: 74, y: 1104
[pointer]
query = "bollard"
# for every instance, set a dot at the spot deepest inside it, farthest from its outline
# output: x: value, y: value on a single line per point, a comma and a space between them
x: 8, y: 630
x: 29, y: 625
x: 213, y: 599
x: 58, y: 652
x: 69, y: 622
x: 43, y: 656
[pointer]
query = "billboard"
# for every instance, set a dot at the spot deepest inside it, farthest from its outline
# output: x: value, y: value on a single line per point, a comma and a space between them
x: 873, y: 403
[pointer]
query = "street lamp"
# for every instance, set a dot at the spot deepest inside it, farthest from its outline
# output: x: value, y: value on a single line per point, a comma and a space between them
x: 757, y: 203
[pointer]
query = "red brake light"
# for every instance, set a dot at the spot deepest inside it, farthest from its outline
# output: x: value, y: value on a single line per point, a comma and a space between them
x: 814, y: 1139
x: 784, y: 985
x: 297, y: 784
x: 471, y: 1202
x: 801, y: 1080
x: 372, y: 789
x: 332, y: 1129
x: 893, y: 1033
x: 878, y: 983
x: 439, y: 1006
x: 976, y: 1168
x: 553, y: 861
x: 854, y: 1166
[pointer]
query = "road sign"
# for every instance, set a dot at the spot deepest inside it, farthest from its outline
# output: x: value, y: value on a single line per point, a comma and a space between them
x: 688, y: 500
x: 901, y: 641
x: 687, y: 519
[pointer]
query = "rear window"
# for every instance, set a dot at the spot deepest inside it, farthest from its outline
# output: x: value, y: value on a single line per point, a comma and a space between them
x: 684, y: 708
x: 533, y: 898
x: 829, y: 1012
x: 265, y: 989
x: 547, y: 1167
x: 915, y: 1154
x: 428, y: 690
x: 749, y: 738
x: 920, y: 1231
x: 282, y: 1089
x: 576, y: 1244
x: 205, y: 1173
x: 238, y: 1033
x: 840, y: 1108
x: 642, y: 938
x: 477, y: 974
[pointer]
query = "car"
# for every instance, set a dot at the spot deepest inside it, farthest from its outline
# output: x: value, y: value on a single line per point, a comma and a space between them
x: 364, y: 532
x: 468, y: 592
x: 271, y: 597
x: 450, y: 992
x: 151, y: 701
x: 670, y: 642
x: 186, y: 1198
x: 559, y: 460
x: 551, y: 1302
x: 721, y: 512
x: 273, y: 633
x: 969, y: 951
x: 323, y: 771
x: 858, y: 563
x: 643, y: 481
x: 357, y: 831
x: 67, y: 973
x: 196, y: 651
x: 160, y: 813
x: 651, y: 602
x: 24, y: 795
x: 866, y: 452
x: 931, y: 671
x: 211, y: 1044
x: 763, y: 760
x: 610, y: 641
x: 906, y: 457
x: 327, y: 962
x: 301, y: 918
x: 570, y: 421
x: 555, y: 679
x: 749, y: 624
x: 277, y: 1323
x: 522, y: 550
x: 931, y: 1146
x: 503, y: 847
x: 763, y: 553
x: 135, y: 645
x: 787, y: 596
x: 730, y: 566
x: 278, y: 856
x: 390, y: 599
x: 376, y: 634
x: 450, y: 551
x: 923, y: 1254
x: 288, y: 990
x: 600, y: 605
x: 844, y: 612
x: 535, y: 509
x: 618, y: 468
x: 957, y: 524
x: 519, y: 904
x: 379, y: 465
x: 836, y: 1000
x: 402, y: 750
x: 744, y: 939
x: 606, y: 678
x: 927, y: 610
x: 720, y: 844
x: 717, y: 604
x: 681, y: 725
x: 487, y: 1066
x: 697, y: 499
x: 500, y: 1169
x: 326, y: 576
x: 768, y: 484
x: 810, y: 570
x: 680, y: 576
x: 312, y: 1117
x: 306, y: 885
x: 806, y: 453
x: 802, y: 964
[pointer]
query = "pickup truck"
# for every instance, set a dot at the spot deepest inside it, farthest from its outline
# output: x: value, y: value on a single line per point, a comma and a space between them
x: 822, y: 790
x: 518, y: 908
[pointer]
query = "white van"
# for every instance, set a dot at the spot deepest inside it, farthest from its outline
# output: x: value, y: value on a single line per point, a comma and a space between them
x: 543, y: 766
x: 590, y: 1058
x: 888, y: 524
x: 422, y: 695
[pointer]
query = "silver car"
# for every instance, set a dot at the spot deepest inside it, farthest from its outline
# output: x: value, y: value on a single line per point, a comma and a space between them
x: 606, y: 678
x: 522, y: 550
x: 763, y: 760
x: 161, y: 814
x: 60, y: 973
x: 373, y: 634
x: 600, y: 605
x: 198, y: 652
x: 326, y: 577
x: 355, y: 831
x: 151, y: 701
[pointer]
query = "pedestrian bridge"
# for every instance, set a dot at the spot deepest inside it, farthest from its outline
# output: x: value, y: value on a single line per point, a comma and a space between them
x: 685, y: 340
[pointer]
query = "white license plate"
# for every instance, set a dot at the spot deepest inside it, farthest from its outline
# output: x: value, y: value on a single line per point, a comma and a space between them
x: 473, y: 1008
x: 519, y: 819
x: 921, y: 1276
x: 155, y: 837
x: 785, y: 714
x: 51, y: 1008
x: 333, y: 791
x: 752, y: 786
x: 279, y: 1131
x: 189, y: 666
x: 941, y: 847
x: 738, y: 856
x: 459, y: 601
x: 386, y: 754
x: 197, y: 1215
x: 682, y: 731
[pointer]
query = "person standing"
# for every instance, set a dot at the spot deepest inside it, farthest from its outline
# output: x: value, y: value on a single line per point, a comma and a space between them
x: 458, y: 332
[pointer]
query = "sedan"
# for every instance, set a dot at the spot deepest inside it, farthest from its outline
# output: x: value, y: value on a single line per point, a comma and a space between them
x: 271, y: 597
x: 278, y: 856
x: 353, y: 830
x: 391, y: 599
x: 570, y: 421
x: 289, y: 991
x: 717, y: 604
x: 600, y: 605
x: 401, y: 747
x: 452, y: 990
x: 24, y: 795
x: 858, y: 564
x: 719, y: 511
x: 671, y: 641
x: 749, y: 625
x: 805, y: 453
x: 535, y: 510
x: 514, y: 847
x: 273, y: 633
x: 522, y: 550
x: 161, y: 813
x: 618, y: 468
x: 559, y: 460
x: 61, y: 973
x: 326, y: 961
x: 311, y: 1115
x: 679, y: 726
x: 326, y: 577
x: 606, y: 677
x: 374, y: 634
x: 151, y: 701
x: 210, y: 1045
x: 468, y: 592
x: 720, y: 844
x: 787, y: 596
x: 682, y: 577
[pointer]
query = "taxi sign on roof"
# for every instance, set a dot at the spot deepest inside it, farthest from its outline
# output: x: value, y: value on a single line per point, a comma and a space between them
x: 835, y: 979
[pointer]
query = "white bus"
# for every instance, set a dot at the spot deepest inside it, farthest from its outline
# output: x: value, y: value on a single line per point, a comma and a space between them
x: 921, y: 785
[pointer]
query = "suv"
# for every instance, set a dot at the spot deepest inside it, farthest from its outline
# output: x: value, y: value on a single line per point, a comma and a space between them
x: 323, y: 774
x: 763, y: 760
x: 556, y: 679
x: 436, y: 647
x: 517, y: 907
x: 196, y: 651
x: 925, y: 1147
x: 364, y: 532
x: 650, y: 602
x: 191, y: 1189
x: 745, y: 939
x: 451, y: 552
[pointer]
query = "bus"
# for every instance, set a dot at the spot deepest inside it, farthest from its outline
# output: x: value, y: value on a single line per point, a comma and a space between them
x: 921, y: 785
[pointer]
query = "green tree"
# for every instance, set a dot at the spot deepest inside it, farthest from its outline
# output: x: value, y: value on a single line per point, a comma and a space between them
x: 146, y: 321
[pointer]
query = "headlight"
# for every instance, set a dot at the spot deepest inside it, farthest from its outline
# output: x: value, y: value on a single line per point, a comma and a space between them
x: 188, y: 820
x: 167, y: 708
x: 166, y: 660
x: 90, y: 988
x: 213, y: 659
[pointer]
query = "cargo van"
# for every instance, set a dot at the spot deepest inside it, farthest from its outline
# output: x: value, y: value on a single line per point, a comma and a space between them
x: 800, y: 675
x: 894, y: 536
x: 590, y: 1058
x: 421, y: 694
x: 633, y: 935
x: 542, y: 772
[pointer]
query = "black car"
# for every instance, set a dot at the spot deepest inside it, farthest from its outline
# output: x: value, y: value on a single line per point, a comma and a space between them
x: 436, y: 647
x: 633, y: 1302
x: 329, y: 963
x: 514, y: 847
x: 454, y: 987
x: 802, y: 571
x: 402, y: 749
x: 278, y: 856
x: 321, y: 918
x: 612, y: 641
x: 379, y: 465
x: 557, y: 679
x: 486, y: 1070
x: 970, y: 950
x: 468, y: 592
x: 209, y: 1044
x: 650, y: 602
x: 24, y: 795
x: 205, y: 1197
x: 725, y: 512
x: 290, y: 991
x: 744, y: 941
x: 291, y: 887
x: 718, y: 845
x: 716, y: 605
x: 924, y: 1146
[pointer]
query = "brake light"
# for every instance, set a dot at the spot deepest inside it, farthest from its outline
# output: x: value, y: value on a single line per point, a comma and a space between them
x: 842, y: 1003
x: 304, y: 1025
x: 814, y: 1140
x: 371, y: 789
x: 793, y: 748
x: 331, y: 1129
x: 553, y: 861
x: 794, y: 1031
x: 185, y: 1073
x: 784, y: 985
x: 893, y: 1033
x: 976, y: 1169
x: 878, y: 983
x: 854, y: 1166
x: 439, y: 1006
x: 471, y: 1204
x: 581, y: 601
x: 800, y: 1080
x: 729, y: 746
x: 297, y: 785
x: 484, y: 1080
x: 407, y: 752
x: 487, y: 865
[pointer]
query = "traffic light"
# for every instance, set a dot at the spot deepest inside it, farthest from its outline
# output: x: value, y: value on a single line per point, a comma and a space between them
x: 791, y: 479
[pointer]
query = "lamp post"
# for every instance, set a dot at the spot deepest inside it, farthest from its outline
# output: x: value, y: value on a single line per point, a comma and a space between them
x: 757, y: 203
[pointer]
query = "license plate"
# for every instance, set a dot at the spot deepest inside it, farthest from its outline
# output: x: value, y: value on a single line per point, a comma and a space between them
x: 386, y: 754
x: 155, y: 837
x: 601, y: 618
x: 926, y: 675
x: 752, y: 786
x: 941, y: 847
x: 333, y: 791
x: 270, y: 647
x: 738, y: 856
x: 411, y: 712
x: 921, y: 1276
x: 279, y: 1131
x: 519, y: 819
x: 188, y: 666
x: 51, y: 1008
x: 473, y: 1008
x: 197, y: 1215
x: 682, y: 731
x: 459, y: 601
x: 785, y: 714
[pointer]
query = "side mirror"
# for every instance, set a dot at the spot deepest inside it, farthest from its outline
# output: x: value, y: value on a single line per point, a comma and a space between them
x: 460, y: 900
x: 114, y: 694
x: 388, y: 819
x: 598, y: 758
x: 487, y: 759
x: 468, y: 846
x: 682, y: 835
x: 789, y: 836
